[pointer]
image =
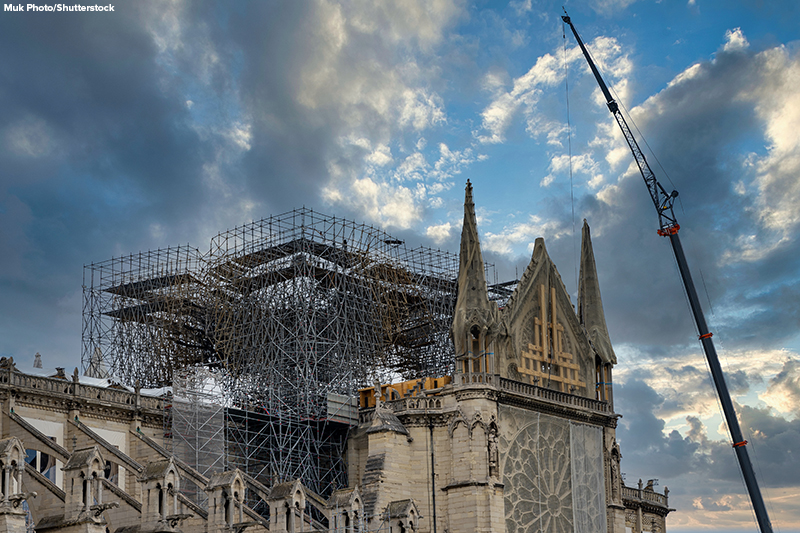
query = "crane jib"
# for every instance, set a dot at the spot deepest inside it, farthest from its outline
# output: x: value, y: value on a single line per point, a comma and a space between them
x: 669, y: 227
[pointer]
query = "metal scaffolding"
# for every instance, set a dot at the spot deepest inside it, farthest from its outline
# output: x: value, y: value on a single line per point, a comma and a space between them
x: 198, y: 425
x: 143, y: 316
x: 291, y: 314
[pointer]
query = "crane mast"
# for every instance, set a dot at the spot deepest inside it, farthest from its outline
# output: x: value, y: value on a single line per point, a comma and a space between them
x: 668, y: 227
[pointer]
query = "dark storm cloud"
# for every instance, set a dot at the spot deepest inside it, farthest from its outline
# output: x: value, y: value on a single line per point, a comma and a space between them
x: 316, y: 77
x: 96, y: 148
x: 774, y: 444
x: 287, y: 164
x: 694, y: 457
x: 163, y: 123
x: 698, y: 126
x: 645, y: 447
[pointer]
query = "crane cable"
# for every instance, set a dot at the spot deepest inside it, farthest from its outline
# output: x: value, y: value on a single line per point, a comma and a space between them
x: 569, y: 151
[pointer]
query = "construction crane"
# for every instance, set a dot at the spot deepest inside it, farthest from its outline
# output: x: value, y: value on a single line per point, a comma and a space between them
x: 668, y: 227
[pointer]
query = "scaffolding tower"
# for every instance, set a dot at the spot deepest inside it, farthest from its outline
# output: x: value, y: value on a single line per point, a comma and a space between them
x: 198, y: 425
x: 291, y: 314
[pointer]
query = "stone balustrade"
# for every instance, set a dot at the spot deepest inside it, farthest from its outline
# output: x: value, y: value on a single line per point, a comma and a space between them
x: 56, y: 386
x: 526, y: 389
x: 634, y: 494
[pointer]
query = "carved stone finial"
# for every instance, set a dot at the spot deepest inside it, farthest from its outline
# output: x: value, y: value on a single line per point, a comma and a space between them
x: 378, y: 404
x: 75, y: 376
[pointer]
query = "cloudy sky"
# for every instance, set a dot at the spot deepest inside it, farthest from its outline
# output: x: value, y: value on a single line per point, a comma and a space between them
x: 164, y: 123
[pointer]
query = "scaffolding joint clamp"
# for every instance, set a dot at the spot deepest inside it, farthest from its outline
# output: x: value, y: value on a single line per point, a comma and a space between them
x: 706, y: 335
x: 739, y: 444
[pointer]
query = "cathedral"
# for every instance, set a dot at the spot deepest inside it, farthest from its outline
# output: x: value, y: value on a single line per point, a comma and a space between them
x: 523, y: 437
x: 519, y: 437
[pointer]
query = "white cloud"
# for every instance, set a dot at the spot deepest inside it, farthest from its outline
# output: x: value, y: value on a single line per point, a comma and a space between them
x: 522, y: 7
x: 526, y: 91
x: 686, y: 388
x: 418, y: 21
x: 686, y: 75
x: 414, y: 167
x: 778, y: 106
x: 581, y: 164
x: 241, y: 135
x: 783, y: 392
x: 368, y: 76
x: 735, y: 40
x: 494, y: 82
x: 439, y: 233
x: 507, y: 241
x: 548, y: 71
x: 421, y: 109
x: 381, y: 156
x: 451, y: 162
x: 608, y: 7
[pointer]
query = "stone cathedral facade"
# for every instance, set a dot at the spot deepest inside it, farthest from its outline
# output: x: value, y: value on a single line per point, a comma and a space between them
x: 523, y: 437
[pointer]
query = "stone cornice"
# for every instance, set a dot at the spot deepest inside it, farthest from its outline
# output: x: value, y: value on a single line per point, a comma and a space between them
x: 557, y: 403
x: 565, y: 411
x: 472, y: 483
x: 646, y: 506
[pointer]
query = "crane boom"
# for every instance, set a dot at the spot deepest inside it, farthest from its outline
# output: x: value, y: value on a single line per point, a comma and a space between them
x: 668, y: 227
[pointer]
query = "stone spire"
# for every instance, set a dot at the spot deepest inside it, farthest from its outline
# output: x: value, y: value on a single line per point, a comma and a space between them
x: 590, y: 305
x: 471, y: 274
x: 473, y: 307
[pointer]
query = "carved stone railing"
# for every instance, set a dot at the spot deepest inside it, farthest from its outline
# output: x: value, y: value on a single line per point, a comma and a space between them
x: 654, y: 497
x: 56, y: 386
x: 412, y: 403
x: 475, y: 378
x: 365, y: 416
x: 526, y: 389
x: 415, y: 403
x: 633, y: 494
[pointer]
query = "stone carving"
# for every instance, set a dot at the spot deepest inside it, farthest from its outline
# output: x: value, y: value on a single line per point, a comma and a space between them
x: 615, y: 470
x: 537, y: 478
x: 493, y: 450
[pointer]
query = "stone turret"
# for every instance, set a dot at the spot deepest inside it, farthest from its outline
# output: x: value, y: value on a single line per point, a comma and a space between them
x: 83, y: 504
x: 476, y: 320
x: 12, y: 465
x: 287, y: 504
x: 345, y: 509
x: 592, y: 317
x: 226, y: 501
x: 160, y: 484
